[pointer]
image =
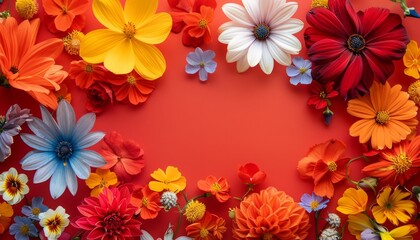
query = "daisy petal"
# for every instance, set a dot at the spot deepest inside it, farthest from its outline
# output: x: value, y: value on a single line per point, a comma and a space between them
x: 58, y: 182
x: 66, y: 118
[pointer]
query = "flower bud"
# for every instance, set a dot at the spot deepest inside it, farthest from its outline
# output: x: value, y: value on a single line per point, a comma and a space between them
x: 368, y: 183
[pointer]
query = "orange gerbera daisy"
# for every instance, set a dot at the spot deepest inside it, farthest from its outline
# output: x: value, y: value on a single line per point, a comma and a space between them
x: 325, y: 165
x: 208, y: 228
x: 397, y: 165
x: 6, y: 213
x: 387, y: 116
x: 85, y: 73
x: 198, y: 24
x: 66, y: 14
x: 270, y: 214
x: 131, y: 86
x: 147, y: 202
x: 218, y: 187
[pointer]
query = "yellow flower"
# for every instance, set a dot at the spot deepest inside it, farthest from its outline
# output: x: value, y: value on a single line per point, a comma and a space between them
x: 358, y: 223
x: 54, y: 222
x: 26, y: 8
x: 99, y: 180
x: 171, y: 180
x: 319, y: 3
x: 414, y: 91
x: 13, y: 186
x: 412, y: 60
x: 128, y: 42
x: 353, y: 201
x: 194, y: 211
x: 400, y: 233
x: 72, y: 42
x: 393, y: 206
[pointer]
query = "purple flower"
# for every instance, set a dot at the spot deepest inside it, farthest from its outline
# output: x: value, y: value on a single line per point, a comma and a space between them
x: 33, y: 211
x: 23, y: 228
x: 201, y: 62
x: 300, y: 72
x: 369, y: 234
x: 313, y: 202
x: 10, y: 127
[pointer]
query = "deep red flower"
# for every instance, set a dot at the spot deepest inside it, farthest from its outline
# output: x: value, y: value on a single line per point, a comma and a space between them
x: 350, y: 48
x: 321, y: 94
x: 251, y: 174
x: 99, y: 95
x: 109, y: 216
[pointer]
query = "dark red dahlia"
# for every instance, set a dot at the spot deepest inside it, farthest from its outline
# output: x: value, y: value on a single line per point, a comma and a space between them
x: 351, y: 49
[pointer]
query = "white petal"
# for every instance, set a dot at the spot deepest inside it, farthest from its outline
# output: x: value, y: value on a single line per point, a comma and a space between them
x: 233, y: 56
x: 83, y: 126
x: 242, y: 64
x: 255, y: 53
x: 45, y: 172
x: 267, y: 62
x: 58, y: 182
x: 290, y: 26
x: 230, y: 33
x: 253, y: 8
x: 287, y: 42
x: 81, y: 169
x: 278, y: 54
x: 71, y: 180
x: 66, y: 118
x: 237, y: 13
x: 241, y: 42
x: 266, y: 7
x: 284, y: 13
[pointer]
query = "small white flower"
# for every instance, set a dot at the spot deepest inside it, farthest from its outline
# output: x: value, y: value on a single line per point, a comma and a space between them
x: 260, y: 31
x: 333, y: 220
x: 54, y: 222
x: 168, y: 200
x: 330, y: 234
x: 13, y: 186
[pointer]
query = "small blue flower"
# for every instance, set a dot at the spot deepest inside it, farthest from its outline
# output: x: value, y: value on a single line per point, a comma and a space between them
x: 33, y: 211
x: 300, y: 72
x: 201, y: 62
x: 60, y: 148
x: 369, y: 234
x: 23, y: 228
x: 313, y: 202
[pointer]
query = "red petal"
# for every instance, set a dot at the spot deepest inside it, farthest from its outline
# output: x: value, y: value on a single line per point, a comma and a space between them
x: 189, y: 41
x: 326, y: 21
x: 181, y: 5
x: 332, y: 71
x: 382, y: 69
x: 177, y: 21
x: 199, y: 3
x: 346, y: 14
x: 352, y: 75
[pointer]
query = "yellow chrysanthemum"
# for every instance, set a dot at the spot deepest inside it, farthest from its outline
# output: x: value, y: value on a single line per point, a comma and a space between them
x: 319, y: 3
x: 358, y: 223
x: 128, y: 42
x: 194, y: 211
x: 399, y: 233
x: 99, y: 180
x: 412, y: 60
x: 72, y: 42
x: 171, y: 180
x: 414, y: 91
x: 353, y: 201
x: 394, y: 207
x: 13, y: 186
x: 26, y: 8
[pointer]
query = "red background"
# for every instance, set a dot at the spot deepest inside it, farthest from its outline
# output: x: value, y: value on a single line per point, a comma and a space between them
x: 212, y: 127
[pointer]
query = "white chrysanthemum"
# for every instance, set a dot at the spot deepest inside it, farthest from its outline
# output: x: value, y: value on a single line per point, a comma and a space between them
x: 260, y: 31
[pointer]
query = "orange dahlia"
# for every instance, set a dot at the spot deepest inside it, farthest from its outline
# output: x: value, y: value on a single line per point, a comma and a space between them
x: 270, y: 214
x: 387, y: 116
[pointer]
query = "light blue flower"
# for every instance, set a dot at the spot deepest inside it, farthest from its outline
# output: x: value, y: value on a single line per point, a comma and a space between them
x: 201, y: 62
x: 35, y: 209
x: 313, y: 202
x: 300, y: 72
x: 369, y: 234
x: 23, y: 228
x: 60, y: 148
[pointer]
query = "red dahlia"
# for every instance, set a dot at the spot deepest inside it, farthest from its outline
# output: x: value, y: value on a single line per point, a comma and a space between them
x: 350, y: 48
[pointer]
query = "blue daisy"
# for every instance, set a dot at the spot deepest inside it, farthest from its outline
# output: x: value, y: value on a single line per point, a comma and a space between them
x: 23, y: 228
x: 60, y: 148
x: 313, y: 202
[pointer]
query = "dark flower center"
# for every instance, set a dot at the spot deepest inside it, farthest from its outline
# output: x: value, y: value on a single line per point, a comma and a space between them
x: 356, y: 43
x: 261, y: 31
x: 64, y: 151
x: 14, y: 69
x: 2, y: 123
x: 112, y: 222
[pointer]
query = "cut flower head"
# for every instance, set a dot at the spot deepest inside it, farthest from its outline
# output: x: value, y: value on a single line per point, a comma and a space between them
x: 128, y: 41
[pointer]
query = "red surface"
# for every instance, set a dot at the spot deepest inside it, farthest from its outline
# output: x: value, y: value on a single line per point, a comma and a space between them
x: 212, y: 127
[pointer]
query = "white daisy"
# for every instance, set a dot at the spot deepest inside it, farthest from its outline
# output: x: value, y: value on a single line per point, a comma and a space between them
x: 260, y: 31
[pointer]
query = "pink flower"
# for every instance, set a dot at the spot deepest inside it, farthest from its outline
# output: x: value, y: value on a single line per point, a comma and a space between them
x: 124, y: 156
x: 109, y: 216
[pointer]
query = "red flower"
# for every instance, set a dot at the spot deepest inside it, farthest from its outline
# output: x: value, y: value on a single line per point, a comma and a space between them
x: 124, y: 156
x: 65, y: 15
x: 250, y: 174
x: 99, y: 95
x: 321, y: 94
x: 198, y: 30
x: 208, y: 228
x: 109, y: 216
x: 85, y: 73
x: 147, y: 202
x: 218, y: 187
x: 350, y: 49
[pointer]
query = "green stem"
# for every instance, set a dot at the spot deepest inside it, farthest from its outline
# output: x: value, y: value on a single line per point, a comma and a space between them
x: 348, y: 165
x: 178, y: 224
x: 250, y: 188
x: 317, y: 224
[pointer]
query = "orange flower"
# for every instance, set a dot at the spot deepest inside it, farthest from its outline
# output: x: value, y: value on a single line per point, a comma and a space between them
x: 387, y: 116
x: 67, y: 14
x: 208, y: 228
x: 147, y: 202
x: 198, y: 23
x: 6, y: 212
x: 397, y: 165
x: 28, y: 66
x: 218, y: 187
x: 131, y: 86
x: 99, y: 180
x: 325, y: 165
x: 85, y: 73
x: 63, y: 93
x: 270, y: 214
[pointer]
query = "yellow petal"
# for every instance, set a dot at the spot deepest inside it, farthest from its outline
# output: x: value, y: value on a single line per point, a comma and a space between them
x: 172, y: 173
x: 159, y: 175
x: 120, y: 59
x: 132, y: 13
x: 155, y: 30
x: 110, y: 14
x: 404, y: 231
x: 150, y: 63
x: 412, y: 71
x: 157, y: 186
x: 93, y: 180
x: 98, y: 43
x: 96, y: 191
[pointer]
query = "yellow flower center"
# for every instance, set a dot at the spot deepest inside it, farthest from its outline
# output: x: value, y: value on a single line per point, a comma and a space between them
x: 13, y: 185
x: 216, y: 187
x: 319, y: 3
x: 322, y: 95
x: 145, y: 202
x: 382, y: 117
x: 202, y: 64
x: 202, y: 23
x: 64, y: 8
x: 204, y: 232
x: 24, y: 229
x: 332, y: 166
x: 268, y: 236
x: 314, y: 205
x: 415, y: 61
x: 414, y: 91
x: 36, y: 211
x: 88, y: 68
x: 401, y: 163
x: 26, y: 8
x: 195, y: 211
x: 131, y: 80
x: 302, y: 70
x: 72, y: 42
x: 129, y: 30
